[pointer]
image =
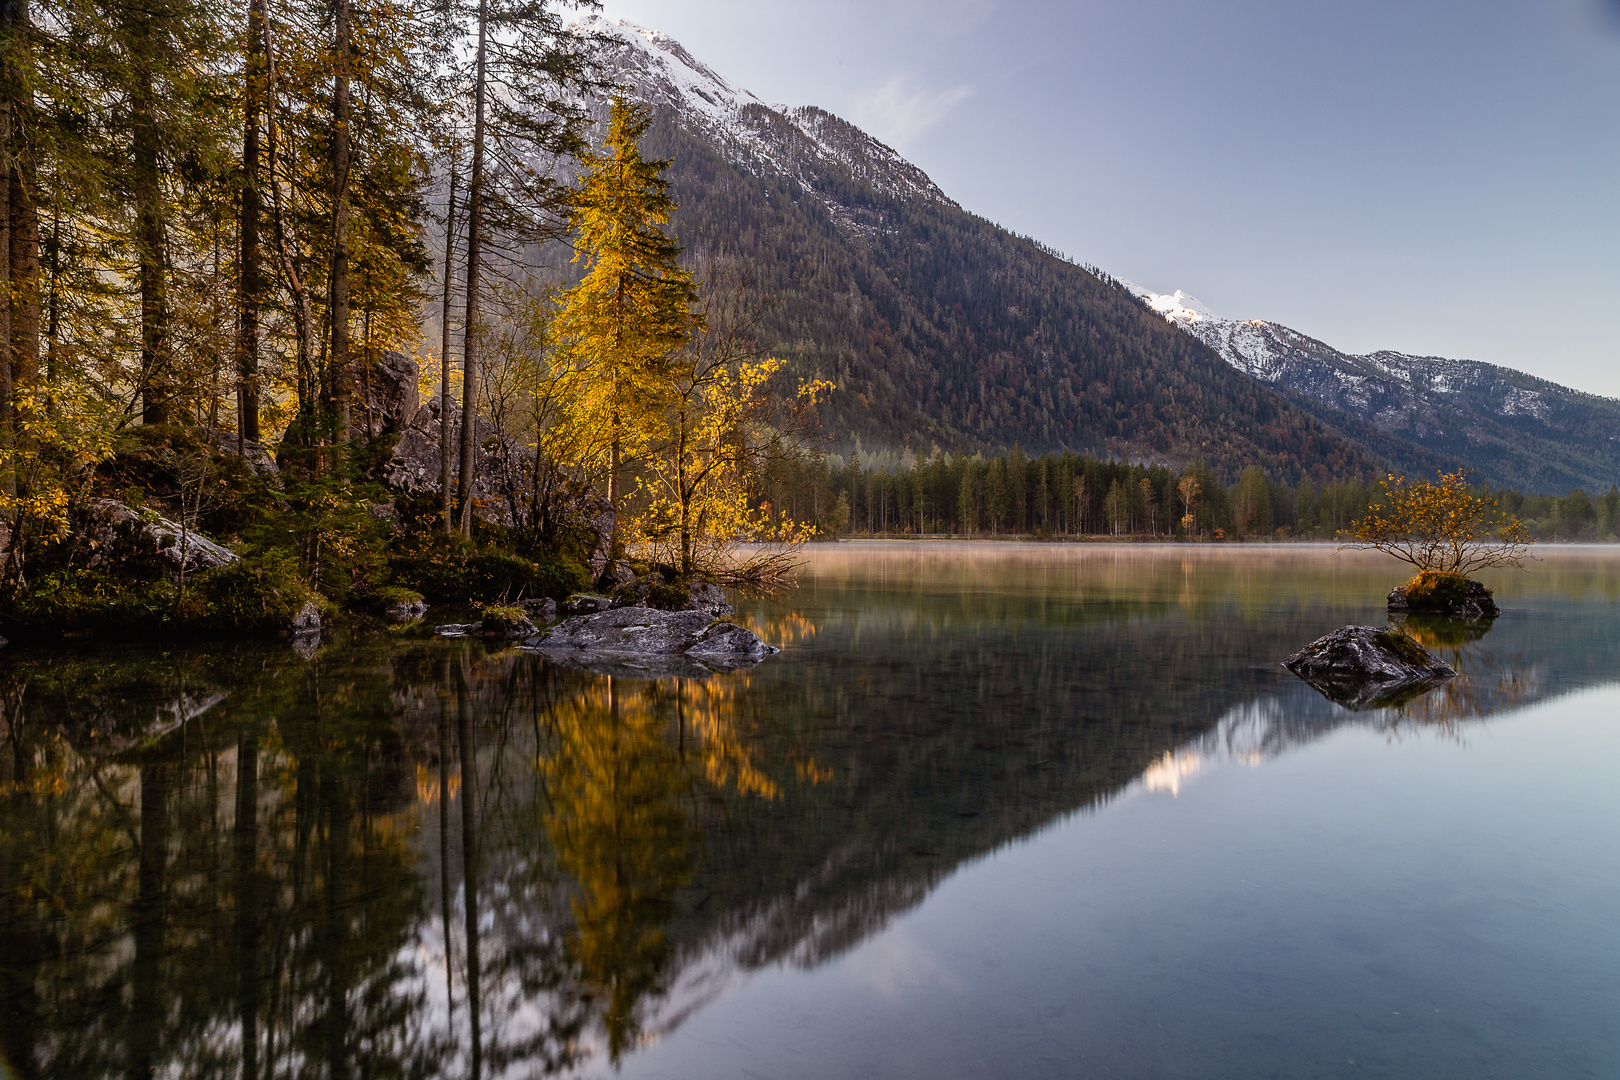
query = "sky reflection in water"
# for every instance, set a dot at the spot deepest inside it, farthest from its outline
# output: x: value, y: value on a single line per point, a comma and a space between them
x: 996, y: 811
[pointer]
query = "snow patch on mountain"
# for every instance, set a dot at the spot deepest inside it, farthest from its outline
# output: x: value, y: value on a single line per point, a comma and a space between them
x: 1455, y: 406
x: 801, y: 143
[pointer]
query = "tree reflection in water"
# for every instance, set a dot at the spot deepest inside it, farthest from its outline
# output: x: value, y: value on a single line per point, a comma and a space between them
x: 246, y: 893
x: 428, y: 859
x: 1487, y: 682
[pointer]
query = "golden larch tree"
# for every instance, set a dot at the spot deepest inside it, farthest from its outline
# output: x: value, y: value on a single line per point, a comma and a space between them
x: 624, y: 324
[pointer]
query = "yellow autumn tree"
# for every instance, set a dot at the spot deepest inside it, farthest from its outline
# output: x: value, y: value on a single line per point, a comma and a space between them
x: 724, y: 425
x: 622, y: 327
x: 1441, y: 527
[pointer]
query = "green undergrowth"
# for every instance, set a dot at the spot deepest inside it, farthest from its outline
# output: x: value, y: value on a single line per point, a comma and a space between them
x: 448, y: 571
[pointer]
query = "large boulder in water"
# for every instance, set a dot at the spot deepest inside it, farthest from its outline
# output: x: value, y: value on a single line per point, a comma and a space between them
x: 1363, y: 667
x: 693, y: 637
x: 1434, y: 593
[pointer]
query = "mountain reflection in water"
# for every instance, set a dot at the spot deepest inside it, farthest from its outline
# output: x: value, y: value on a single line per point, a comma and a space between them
x: 435, y: 858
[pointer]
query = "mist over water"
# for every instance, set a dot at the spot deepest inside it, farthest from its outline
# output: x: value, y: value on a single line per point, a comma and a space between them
x: 996, y: 810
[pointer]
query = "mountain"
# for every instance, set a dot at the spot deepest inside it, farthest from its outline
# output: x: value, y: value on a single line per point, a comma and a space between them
x: 1513, y: 429
x: 938, y: 327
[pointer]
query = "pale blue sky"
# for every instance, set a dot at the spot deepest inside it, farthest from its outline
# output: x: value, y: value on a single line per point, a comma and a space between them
x: 1437, y: 177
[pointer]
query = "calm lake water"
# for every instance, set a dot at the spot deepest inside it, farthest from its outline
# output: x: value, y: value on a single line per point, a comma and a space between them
x: 995, y: 811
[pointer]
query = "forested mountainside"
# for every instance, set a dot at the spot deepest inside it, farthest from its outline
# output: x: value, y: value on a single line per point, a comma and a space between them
x: 1512, y: 429
x: 938, y: 327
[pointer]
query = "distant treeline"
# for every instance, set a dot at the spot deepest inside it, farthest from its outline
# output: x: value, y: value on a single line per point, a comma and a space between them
x: 1079, y: 495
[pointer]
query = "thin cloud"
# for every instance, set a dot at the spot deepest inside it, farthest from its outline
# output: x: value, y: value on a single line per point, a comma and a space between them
x: 898, y: 112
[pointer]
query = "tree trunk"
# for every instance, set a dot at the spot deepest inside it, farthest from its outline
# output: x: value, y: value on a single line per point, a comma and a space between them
x: 250, y: 282
x: 151, y: 240
x: 469, y: 330
x: 8, y: 385
x: 445, y: 427
x: 340, y: 375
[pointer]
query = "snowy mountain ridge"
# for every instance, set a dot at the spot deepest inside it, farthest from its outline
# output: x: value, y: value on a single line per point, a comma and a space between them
x: 1485, y: 415
x: 802, y: 143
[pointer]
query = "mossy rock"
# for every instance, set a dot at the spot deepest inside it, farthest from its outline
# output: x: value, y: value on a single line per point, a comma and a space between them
x: 501, y: 621
x: 1439, y: 592
x: 260, y: 594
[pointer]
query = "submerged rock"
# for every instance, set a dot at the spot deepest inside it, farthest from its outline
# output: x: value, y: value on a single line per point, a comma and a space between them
x: 1363, y: 667
x: 1444, y: 594
x: 648, y: 633
x: 629, y: 629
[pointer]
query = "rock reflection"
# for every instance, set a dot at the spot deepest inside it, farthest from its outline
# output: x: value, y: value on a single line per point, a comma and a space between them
x: 1488, y: 681
x: 437, y: 859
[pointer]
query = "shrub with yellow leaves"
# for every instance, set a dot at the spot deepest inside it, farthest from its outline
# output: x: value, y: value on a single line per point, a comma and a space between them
x: 1441, y: 526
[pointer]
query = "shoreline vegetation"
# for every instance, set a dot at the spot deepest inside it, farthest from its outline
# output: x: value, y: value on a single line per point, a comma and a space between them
x: 222, y: 267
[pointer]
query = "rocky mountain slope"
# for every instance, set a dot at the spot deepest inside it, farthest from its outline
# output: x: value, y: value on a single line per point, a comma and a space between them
x: 1513, y: 429
x: 939, y: 328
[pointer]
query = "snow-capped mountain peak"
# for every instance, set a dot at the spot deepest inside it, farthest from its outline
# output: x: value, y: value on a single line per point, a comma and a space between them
x: 1453, y: 406
x: 1178, y: 307
x: 697, y: 87
x: 801, y: 143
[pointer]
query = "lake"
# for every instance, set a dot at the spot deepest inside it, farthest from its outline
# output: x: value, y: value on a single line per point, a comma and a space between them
x: 996, y: 810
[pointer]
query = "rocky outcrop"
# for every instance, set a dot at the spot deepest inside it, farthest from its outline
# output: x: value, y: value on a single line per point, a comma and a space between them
x: 1363, y: 667
x: 114, y: 533
x: 1464, y: 599
x: 389, y: 395
x: 307, y: 620
x: 259, y: 461
x: 643, y: 632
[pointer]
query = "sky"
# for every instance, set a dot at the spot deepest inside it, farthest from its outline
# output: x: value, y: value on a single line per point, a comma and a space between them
x: 1432, y: 176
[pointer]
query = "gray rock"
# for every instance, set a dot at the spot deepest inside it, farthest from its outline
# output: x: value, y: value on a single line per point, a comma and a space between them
x: 1476, y: 604
x: 544, y: 609
x: 649, y: 635
x: 308, y: 620
x: 521, y: 630
x: 585, y: 604
x: 260, y: 462
x: 112, y: 530
x: 389, y: 394
x: 413, y: 468
x: 710, y: 598
x: 629, y: 629
x: 1368, y: 667
x: 728, y: 643
x: 4, y: 642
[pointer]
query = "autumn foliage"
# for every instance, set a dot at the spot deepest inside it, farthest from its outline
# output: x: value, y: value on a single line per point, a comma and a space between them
x: 1442, y: 526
